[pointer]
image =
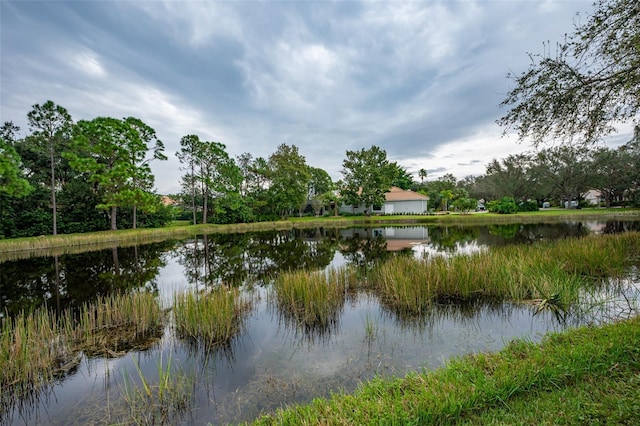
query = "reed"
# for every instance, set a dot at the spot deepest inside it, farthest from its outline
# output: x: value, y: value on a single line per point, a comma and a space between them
x: 38, y: 347
x: 550, y: 274
x: 213, y: 318
x: 33, y: 350
x: 312, y: 299
x: 116, y: 324
x: 165, y: 402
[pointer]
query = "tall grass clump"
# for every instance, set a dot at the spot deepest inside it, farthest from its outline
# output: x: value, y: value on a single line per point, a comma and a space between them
x: 549, y: 274
x: 313, y: 299
x: 115, y: 324
x: 210, y: 318
x: 38, y: 347
x: 34, y: 349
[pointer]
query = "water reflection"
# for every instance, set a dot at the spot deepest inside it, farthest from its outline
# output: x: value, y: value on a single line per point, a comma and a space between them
x: 68, y: 281
x: 234, y: 259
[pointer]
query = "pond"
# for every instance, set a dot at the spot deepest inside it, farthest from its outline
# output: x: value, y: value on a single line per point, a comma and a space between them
x: 275, y: 361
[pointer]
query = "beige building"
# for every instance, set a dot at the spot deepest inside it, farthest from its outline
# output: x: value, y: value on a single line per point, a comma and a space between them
x: 397, y: 201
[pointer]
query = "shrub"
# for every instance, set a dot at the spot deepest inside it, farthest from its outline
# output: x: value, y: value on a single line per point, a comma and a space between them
x: 528, y: 206
x: 505, y: 205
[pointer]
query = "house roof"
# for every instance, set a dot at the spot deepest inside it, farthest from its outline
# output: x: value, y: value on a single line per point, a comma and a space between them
x: 397, y: 194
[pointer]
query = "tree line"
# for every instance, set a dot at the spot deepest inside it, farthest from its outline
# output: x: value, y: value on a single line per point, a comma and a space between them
x: 553, y: 175
x: 67, y: 177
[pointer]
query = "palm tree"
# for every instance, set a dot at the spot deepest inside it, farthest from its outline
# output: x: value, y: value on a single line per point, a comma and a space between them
x: 423, y: 174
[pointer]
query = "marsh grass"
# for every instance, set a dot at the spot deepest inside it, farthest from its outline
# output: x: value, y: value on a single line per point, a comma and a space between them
x: 39, y: 347
x: 312, y: 300
x: 114, y: 325
x: 33, y: 349
x: 486, y: 388
x: 166, y: 401
x: 212, y: 318
x: 549, y: 275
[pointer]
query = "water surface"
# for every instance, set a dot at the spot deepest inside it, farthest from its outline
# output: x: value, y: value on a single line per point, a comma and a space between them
x: 275, y: 361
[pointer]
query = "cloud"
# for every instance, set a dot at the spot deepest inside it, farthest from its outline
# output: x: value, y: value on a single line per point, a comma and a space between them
x: 422, y: 80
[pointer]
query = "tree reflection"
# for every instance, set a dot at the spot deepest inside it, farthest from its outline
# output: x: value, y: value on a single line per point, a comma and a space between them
x: 233, y: 259
x: 67, y: 281
x: 362, y: 248
x: 448, y: 238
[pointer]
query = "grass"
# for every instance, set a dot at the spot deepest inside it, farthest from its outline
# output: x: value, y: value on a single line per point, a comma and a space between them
x: 114, y: 325
x: 550, y: 274
x: 312, y: 300
x: 557, y: 381
x: 166, y: 402
x: 38, y: 347
x: 210, y: 319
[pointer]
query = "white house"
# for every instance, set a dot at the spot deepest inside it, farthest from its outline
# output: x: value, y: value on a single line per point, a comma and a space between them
x: 398, y: 201
x: 593, y: 197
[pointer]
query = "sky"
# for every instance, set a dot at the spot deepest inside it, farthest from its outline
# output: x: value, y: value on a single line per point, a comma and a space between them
x: 422, y: 80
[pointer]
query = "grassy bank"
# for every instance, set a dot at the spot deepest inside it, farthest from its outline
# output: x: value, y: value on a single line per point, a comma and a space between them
x: 587, y: 375
x: 17, y: 248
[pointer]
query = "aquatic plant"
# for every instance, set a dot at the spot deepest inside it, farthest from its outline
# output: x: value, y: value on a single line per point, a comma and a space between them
x: 312, y: 299
x: 211, y: 318
x: 549, y: 272
x: 164, y: 402
x: 38, y: 347
x: 116, y: 324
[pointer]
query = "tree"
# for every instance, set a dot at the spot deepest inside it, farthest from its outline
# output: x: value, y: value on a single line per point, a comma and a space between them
x: 136, y: 148
x: 611, y: 173
x: 103, y: 148
x: 631, y: 152
x: 11, y: 181
x: 422, y: 173
x: 210, y: 173
x: 51, y: 125
x: 434, y: 188
x: 591, y: 82
x: 319, y: 183
x: 445, y: 196
x: 402, y: 178
x: 565, y: 170
x: 368, y: 175
x: 219, y: 174
x: 511, y: 177
x: 188, y: 156
x: 290, y: 179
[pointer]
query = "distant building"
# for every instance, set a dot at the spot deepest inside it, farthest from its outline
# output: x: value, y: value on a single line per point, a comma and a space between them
x: 397, y: 201
x: 593, y: 197
x: 168, y: 201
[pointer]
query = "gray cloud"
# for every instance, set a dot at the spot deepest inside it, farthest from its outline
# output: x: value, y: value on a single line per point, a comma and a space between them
x: 422, y: 80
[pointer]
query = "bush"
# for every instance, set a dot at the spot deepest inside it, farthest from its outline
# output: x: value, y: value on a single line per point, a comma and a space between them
x: 505, y: 205
x: 528, y: 206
